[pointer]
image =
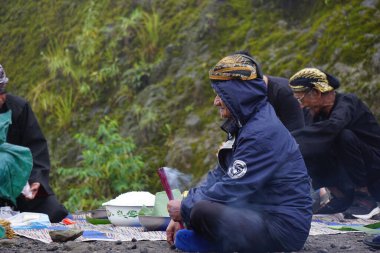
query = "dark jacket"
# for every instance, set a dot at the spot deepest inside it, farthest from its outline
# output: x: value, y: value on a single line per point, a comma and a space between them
x: 320, y: 136
x: 25, y: 131
x: 349, y: 112
x: 286, y: 106
x: 263, y: 171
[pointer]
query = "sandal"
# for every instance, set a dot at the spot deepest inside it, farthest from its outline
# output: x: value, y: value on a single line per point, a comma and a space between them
x: 373, y: 241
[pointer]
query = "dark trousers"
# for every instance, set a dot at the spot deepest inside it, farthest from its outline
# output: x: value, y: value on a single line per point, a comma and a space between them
x: 350, y: 163
x: 48, y: 205
x: 235, y: 229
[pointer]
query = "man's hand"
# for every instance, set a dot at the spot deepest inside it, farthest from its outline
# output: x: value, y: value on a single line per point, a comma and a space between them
x: 174, y: 210
x: 34, y: 187
x: 171, y: 230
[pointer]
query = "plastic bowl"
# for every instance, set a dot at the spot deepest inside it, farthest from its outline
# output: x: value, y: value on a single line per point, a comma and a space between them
x: 123, y: 215
x: 154, y: 223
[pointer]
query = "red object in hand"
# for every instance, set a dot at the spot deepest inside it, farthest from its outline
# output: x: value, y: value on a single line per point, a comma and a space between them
x: 165, y: 184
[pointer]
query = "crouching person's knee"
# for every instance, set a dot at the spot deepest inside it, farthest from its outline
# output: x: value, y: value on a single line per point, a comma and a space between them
x: 347, y: 138
x: 200, y: 211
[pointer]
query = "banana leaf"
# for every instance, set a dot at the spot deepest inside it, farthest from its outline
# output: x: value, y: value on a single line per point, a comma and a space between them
x: 160, y: 204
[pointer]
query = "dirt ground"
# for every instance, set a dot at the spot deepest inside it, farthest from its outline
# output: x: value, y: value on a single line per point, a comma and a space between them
x: 346, y: 242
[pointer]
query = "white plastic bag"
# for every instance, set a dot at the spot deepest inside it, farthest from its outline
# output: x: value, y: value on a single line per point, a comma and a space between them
x: 7, y: 212
x: 29, y: 219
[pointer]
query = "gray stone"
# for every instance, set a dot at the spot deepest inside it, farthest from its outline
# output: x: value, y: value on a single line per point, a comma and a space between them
x: 192, y: 120
x: 82, y: 248
x: 69, y: 246
x: 376, y: 59
x: 65, y: 235
x: 282, y: 24
x: 181, y: 151
x: 370, y: 3
x: 52, y: 248
x: 6, y: 243
x: 343, y: 69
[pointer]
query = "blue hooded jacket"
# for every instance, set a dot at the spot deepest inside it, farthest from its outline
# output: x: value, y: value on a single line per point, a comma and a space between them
x: 263, y: 171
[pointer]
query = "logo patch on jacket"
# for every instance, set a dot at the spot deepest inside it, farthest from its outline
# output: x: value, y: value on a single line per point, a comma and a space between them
x: 238, y: 169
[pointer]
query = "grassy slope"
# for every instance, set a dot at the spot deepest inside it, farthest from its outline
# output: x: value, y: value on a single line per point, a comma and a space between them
x: 159, y: 112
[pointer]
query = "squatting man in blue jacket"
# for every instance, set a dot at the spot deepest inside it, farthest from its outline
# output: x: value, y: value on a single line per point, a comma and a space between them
x: 258, y: 197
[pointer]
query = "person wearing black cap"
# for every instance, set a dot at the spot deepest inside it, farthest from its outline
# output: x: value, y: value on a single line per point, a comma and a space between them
x: 340, y: 144
x: 258, y: 197
x: 25, y: 131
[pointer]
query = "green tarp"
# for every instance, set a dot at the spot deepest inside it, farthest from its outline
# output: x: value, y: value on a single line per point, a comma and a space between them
x: 16, y: 163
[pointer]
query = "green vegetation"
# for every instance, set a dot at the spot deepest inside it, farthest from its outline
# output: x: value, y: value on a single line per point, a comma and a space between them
x: 108, y: 167
x: 144, y: 64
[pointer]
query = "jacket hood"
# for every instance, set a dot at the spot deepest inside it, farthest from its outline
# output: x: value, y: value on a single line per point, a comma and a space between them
x: 242, y: 98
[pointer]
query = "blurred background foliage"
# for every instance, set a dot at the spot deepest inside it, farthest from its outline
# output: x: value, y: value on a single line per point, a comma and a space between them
x: 107, y: 167
x: 120, y: 87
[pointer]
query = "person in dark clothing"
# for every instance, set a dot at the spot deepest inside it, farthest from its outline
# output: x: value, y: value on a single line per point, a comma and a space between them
x: 280, y: 96
x: 340, y: 143
x: 258, y: 197
x: 287, y: 108
x: 25, y: 131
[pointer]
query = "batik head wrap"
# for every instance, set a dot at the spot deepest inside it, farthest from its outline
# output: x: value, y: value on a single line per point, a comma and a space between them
x: 309, y: 78
x: 3, y: 80
x: 236, y: 66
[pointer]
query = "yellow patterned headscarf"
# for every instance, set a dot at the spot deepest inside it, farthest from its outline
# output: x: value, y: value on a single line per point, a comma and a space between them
x: 236, y: 66
x: 313, y: 78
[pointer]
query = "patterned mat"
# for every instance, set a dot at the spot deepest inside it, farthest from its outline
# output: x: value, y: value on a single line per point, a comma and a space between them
x: 98, y: 233
x: 92, y: 232
x: 336, y: 224
x: 321, y: 224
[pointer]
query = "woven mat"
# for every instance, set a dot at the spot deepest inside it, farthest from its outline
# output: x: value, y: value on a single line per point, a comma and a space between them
x: 94, y: 232
x: 336, y: 224
x: 321, y: 224
x: 98, y: 233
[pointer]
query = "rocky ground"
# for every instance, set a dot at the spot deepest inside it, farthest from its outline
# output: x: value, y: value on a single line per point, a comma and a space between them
x: 346, y: 242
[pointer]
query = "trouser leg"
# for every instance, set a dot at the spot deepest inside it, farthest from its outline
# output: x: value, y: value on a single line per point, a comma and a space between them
x: 48, y: 205
x: 353, y: 156
x: 325, y: 171
x: 361, y: 161
x: 374, y: 189
x: 374, y: 175
x: 236, y: 229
